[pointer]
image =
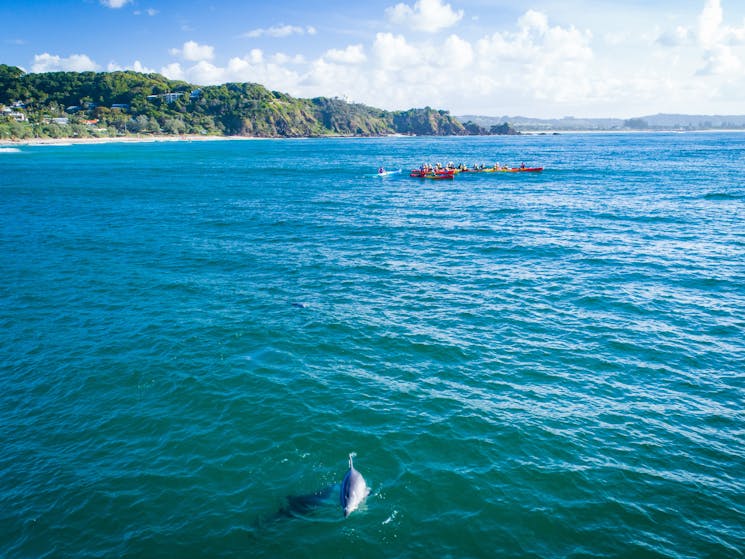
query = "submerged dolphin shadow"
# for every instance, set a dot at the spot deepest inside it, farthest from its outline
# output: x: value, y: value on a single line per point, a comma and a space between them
x: 301, y: 506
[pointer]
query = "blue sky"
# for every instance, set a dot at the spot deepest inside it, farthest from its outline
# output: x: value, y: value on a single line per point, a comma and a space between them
x: 547, y: 58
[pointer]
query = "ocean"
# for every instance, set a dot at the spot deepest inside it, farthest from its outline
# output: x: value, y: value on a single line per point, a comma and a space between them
x: 195, y: 336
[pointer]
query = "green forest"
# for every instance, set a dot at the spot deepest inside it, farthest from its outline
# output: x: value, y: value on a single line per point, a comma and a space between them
x: 105, y: 104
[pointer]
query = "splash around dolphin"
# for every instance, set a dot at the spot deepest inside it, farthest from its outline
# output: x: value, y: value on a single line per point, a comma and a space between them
x: 354, y: 490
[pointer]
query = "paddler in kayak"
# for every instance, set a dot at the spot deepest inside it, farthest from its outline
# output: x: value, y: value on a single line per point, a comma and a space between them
x: 381, y: 171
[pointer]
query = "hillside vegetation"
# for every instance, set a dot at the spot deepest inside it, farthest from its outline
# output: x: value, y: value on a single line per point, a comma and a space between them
x: 85, y: 104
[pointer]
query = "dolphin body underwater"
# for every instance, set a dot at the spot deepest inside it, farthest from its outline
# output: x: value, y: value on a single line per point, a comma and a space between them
x: 354, y: 490
x: 299, y: 506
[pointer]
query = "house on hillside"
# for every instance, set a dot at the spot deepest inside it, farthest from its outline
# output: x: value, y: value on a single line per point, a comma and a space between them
x: 18, y: 116
x: 171, y: 97
x: 167, y: 97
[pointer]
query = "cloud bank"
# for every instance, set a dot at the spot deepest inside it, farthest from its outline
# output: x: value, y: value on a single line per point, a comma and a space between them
x: 531, y: 65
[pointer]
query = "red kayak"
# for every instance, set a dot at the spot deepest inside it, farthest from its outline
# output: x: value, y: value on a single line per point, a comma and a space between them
x: 520, y: 170
x: 439, y: 176
x: 436, y: 174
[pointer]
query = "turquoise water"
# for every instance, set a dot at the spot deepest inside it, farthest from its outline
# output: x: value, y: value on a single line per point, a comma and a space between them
x: 527, y: 365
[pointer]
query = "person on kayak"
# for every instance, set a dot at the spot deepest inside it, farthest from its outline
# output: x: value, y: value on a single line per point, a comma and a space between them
x: 381, y: 170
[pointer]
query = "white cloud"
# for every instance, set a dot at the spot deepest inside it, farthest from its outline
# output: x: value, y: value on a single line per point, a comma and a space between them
x: 717, y: 40
x: 173, y: 71
x: 533, y: 21
x: 282, y: 58
x: 115, y: 3
x: 254, y: 67
x: 194, y: 52
x: 394, y: 53
x: 136, y: 66
x: 677, y: 37
x: 457, y: 53
x: 719, y: 61
x: 348, y: 80
x: 53, y: 63
x: 204, y: 72
x: 615, y: 38
x: 709, y: 33
x: 279, y: 31
x: 353, y: 54
x: 709, y: 23
x: 536, y: 45
x: 426, y: 15
x: 150, y: 12
x: 256, y: 56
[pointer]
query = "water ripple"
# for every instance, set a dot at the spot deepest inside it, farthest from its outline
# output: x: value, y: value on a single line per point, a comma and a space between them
x: 543, y: 366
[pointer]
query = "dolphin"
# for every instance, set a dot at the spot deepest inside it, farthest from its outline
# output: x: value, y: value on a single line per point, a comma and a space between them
x: 353, y: 489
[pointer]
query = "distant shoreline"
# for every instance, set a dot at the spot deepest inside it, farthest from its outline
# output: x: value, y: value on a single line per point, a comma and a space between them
x: 143, y: 139
x: 622, y: 132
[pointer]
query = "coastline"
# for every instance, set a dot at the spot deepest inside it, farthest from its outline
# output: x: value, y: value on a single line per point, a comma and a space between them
x: 142, y: 139
x: 122, y: 139
x: 553, y: 132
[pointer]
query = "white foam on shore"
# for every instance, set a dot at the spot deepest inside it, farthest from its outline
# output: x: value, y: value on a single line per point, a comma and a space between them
x: 9, y: 150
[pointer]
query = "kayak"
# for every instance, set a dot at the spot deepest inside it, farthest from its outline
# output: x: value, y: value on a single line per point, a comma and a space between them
x: 387, y: 173
x: 450, y: 173
x: 474, y: 170
x: 514, y: 170
x: 439, y: 176
x: 525, y: 170
x: 446, y: 173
